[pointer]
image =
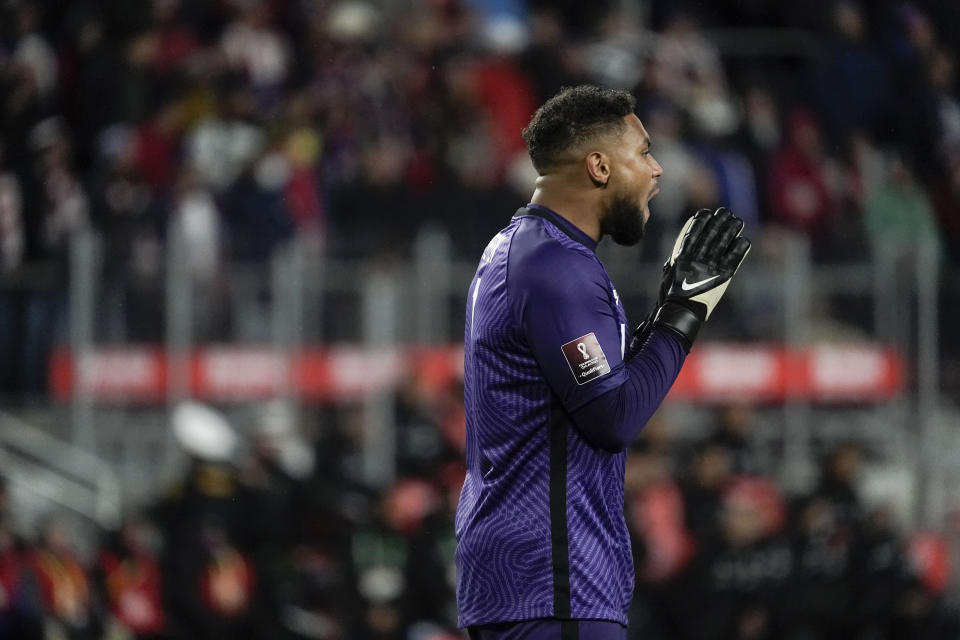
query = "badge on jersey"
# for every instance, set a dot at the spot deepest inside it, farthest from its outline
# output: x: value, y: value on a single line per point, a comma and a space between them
x: 586, y: 358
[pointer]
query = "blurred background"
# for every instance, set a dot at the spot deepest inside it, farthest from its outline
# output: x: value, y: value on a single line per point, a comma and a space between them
x: 235, y: 243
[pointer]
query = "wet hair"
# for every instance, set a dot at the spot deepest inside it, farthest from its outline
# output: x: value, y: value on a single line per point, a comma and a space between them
x: 574, y: 116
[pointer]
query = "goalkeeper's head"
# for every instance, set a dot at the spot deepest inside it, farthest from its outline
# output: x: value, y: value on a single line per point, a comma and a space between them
x: 593, y: 158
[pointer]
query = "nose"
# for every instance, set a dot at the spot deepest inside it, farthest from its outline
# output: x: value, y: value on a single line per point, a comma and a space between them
x: 657, y: 169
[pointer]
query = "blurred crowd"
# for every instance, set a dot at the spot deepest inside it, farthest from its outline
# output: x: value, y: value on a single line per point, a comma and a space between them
x: 722, y: 552
x: 268, y: 533
x: 277, y: 535
x: 351, y: 124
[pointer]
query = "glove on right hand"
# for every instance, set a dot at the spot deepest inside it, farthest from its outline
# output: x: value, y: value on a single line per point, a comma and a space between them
x: 706, y: 255
x: 708, y: 252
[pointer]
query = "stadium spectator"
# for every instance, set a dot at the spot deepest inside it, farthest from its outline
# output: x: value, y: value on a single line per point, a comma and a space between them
x: 169, y: 45
x: 274, y: 473
x: 734, y: 431
x: 710, y: 468
x: 686, y: 68
x: 739, y: 582
x: 802, y: 194
x: 381, y: 551
x: 303, y: 192
x: 226, y: 143
x: 197, y: 226
x: 430, y: 572
x: 157, y: 146
x: 56, y: 207
x: 212, y: 585
x: 257, y: 218
x: 11, y: 219
x: 921, y: 611
x: 12, y: 246
x: 129, y: 582
x: 878, y: 572
x: 546, y: 61
x: 255, y: 49
x: 899, y: 217
x: 851, y: 82
x: 945, y: 190
x: 821, y: 600
x: 839, y: 474
x: 67, y: 593
x: 33, y: 57
x: 915, y: 122
x: 209, y: 579
x: 946, y: 201
x: 419, y: 441
x: 663, y: 546
x: 21, y: 613
x: 130, y: 213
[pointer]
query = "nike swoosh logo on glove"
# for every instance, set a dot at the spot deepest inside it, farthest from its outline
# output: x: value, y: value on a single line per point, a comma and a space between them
x: 686, y: 286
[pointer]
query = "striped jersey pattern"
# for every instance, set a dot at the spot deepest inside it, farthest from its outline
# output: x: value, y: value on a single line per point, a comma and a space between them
x: 540, y: 525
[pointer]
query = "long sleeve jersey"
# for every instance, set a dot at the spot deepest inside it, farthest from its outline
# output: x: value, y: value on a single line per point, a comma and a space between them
x: 552, y: 397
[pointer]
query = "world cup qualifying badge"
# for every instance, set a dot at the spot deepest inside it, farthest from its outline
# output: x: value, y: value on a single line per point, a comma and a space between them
x: 585, y: 358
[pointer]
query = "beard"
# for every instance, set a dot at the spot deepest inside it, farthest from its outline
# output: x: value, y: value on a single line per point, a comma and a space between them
x: 623, y: 221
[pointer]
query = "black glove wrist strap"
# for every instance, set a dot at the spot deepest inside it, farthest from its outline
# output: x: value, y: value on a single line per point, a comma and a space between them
x: 680, y: 319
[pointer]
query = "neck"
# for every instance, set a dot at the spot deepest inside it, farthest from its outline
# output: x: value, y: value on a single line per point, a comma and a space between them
x: 579, y: 207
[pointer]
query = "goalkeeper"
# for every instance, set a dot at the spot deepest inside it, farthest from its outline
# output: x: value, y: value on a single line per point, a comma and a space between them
x: 556, y: 387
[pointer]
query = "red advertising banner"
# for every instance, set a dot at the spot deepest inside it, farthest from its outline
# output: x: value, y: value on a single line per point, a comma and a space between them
x: 712, y: 373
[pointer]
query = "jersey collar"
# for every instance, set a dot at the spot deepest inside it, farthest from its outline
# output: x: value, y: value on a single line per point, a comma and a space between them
x: 571, y: 230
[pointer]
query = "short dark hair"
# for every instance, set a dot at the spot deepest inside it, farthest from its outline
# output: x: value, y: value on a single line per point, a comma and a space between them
x: 573, y: 116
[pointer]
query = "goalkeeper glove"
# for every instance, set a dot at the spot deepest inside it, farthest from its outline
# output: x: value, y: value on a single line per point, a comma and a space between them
x: 707, y: 253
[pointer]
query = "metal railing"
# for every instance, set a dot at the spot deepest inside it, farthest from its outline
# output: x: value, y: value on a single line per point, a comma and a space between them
x: 52, y: 475
x: 303, y: 297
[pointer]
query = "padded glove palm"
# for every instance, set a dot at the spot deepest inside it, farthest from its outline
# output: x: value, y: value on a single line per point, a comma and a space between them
x: 707, y: 253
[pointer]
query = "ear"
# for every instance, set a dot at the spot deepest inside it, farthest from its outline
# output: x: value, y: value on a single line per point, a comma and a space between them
x: 598, y: 168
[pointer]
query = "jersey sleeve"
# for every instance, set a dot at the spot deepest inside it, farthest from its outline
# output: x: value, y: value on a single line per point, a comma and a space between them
x: 612, y: 421
x: 569, y: 319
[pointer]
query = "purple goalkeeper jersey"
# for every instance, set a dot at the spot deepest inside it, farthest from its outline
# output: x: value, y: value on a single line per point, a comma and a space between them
x: 540, y: 525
